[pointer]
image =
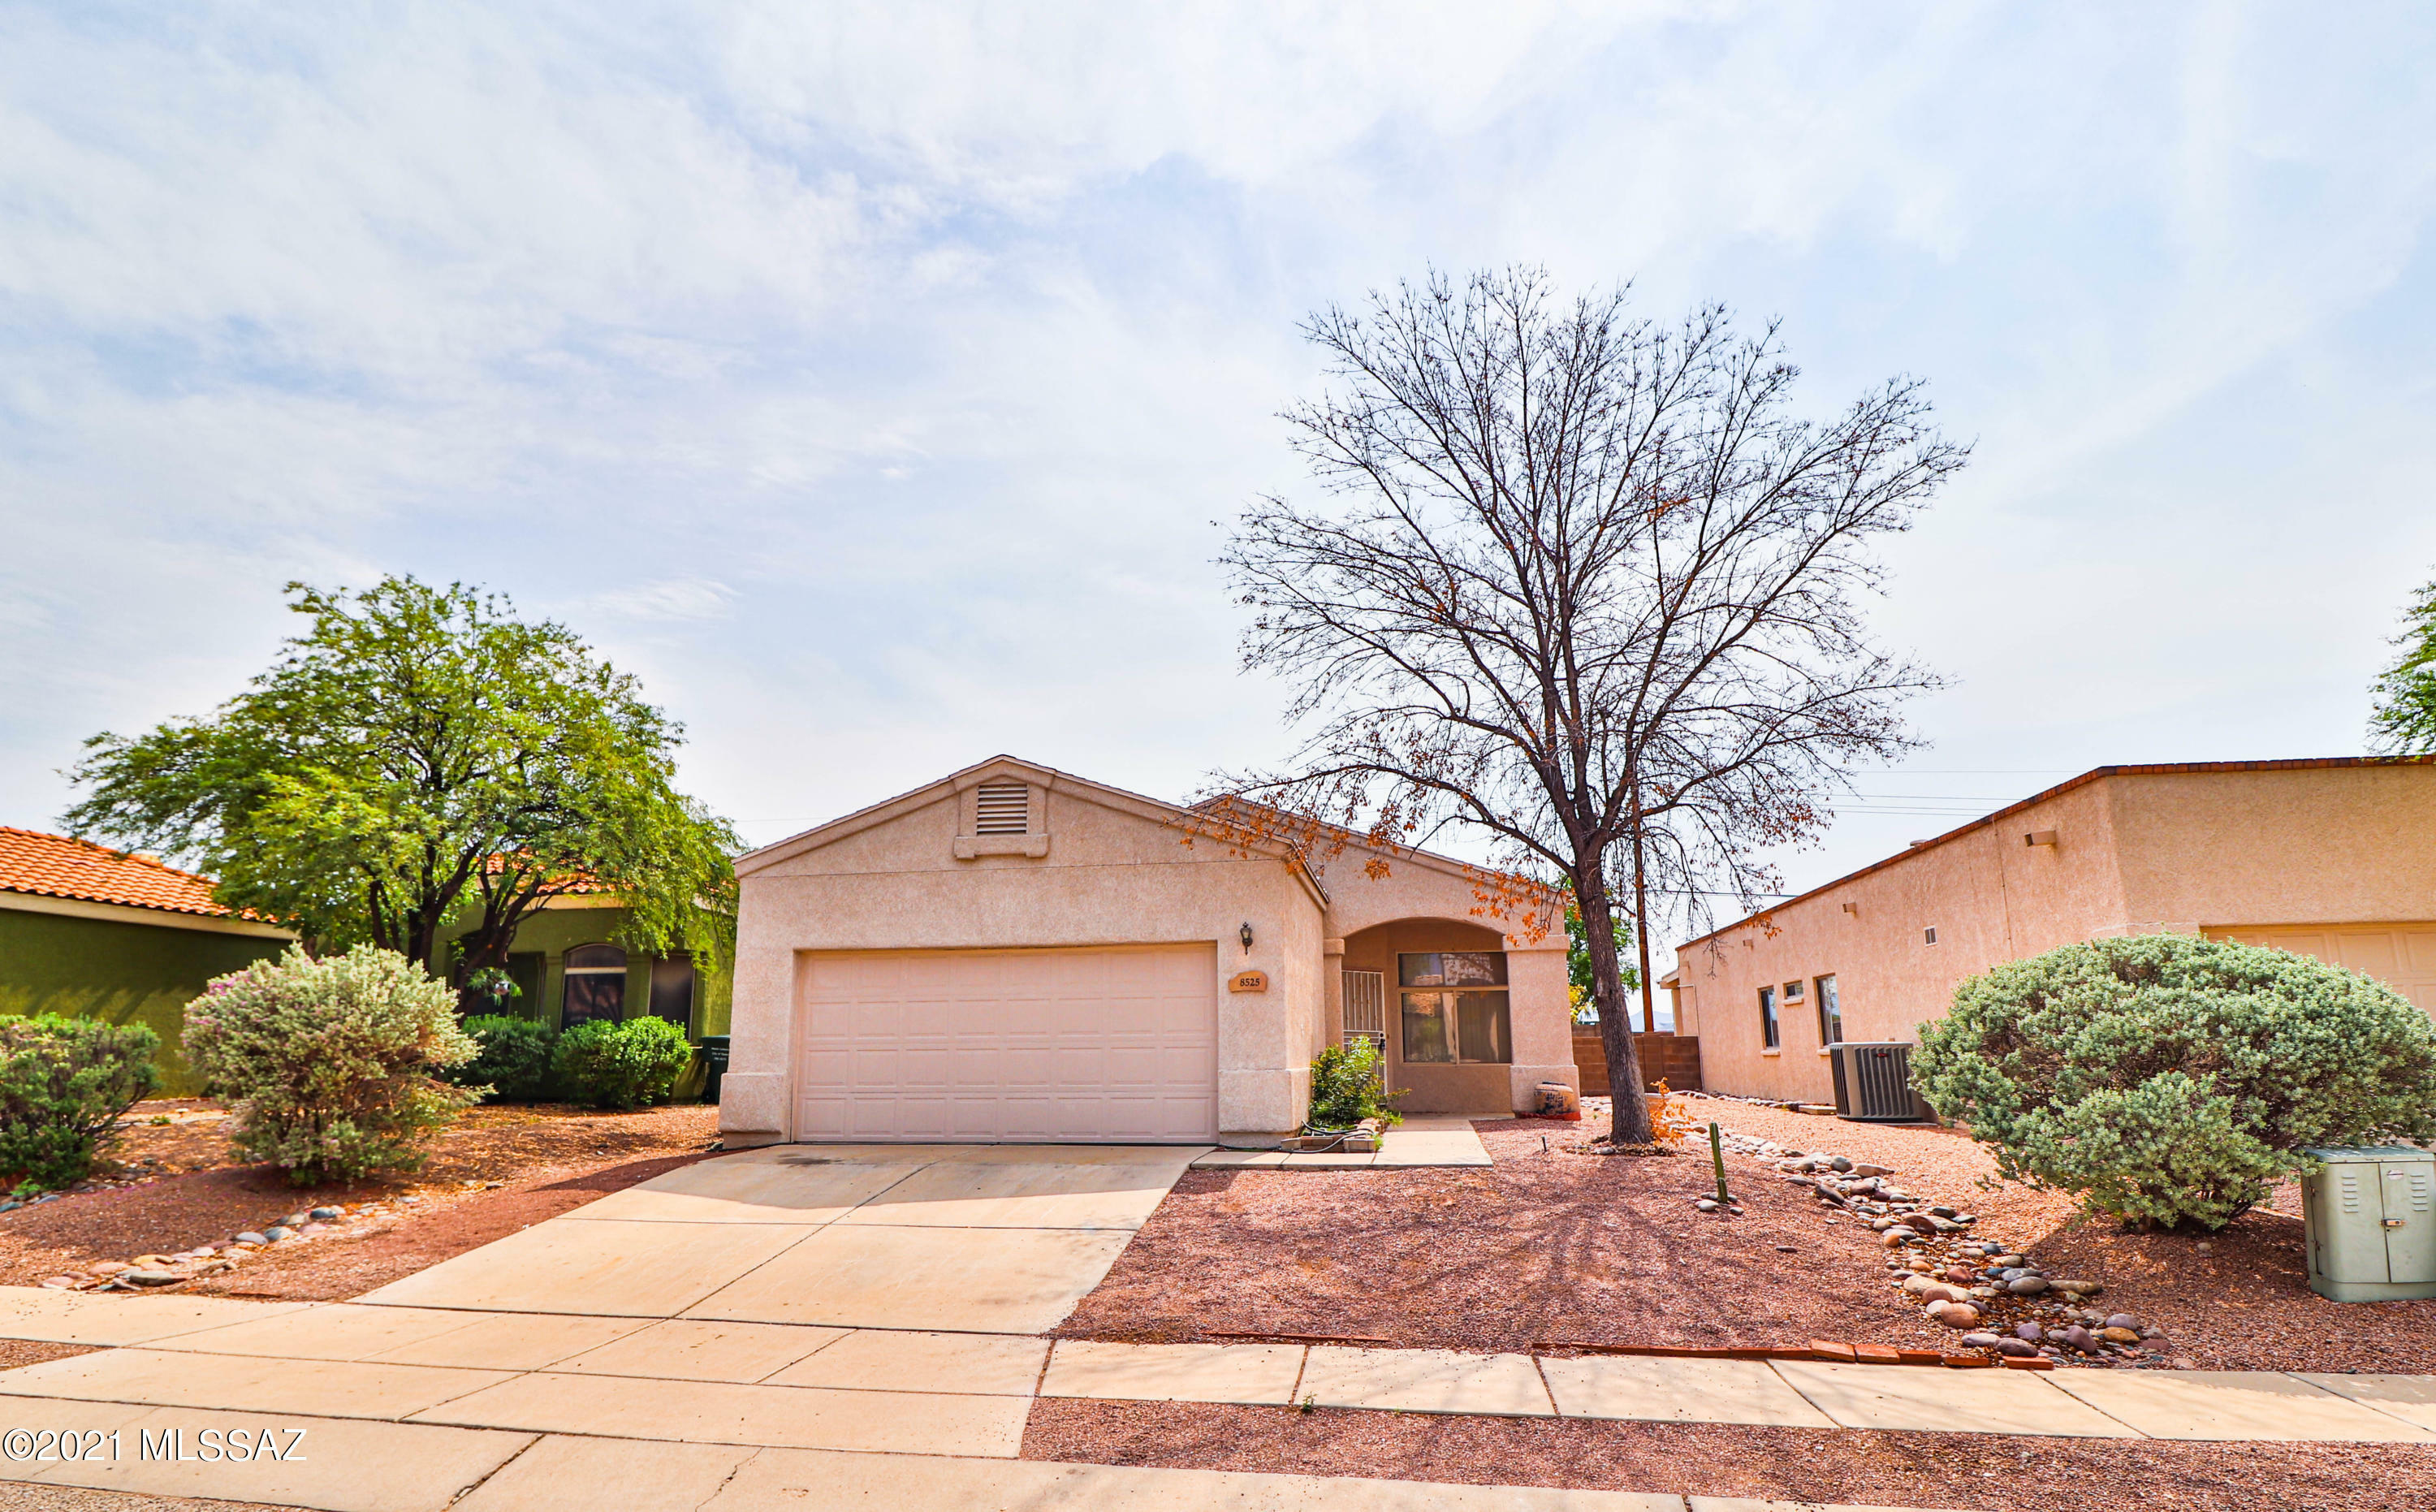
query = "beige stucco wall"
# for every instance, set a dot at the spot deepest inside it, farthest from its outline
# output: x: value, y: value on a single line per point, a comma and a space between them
x: 1105, y: 869
x: 1107, y: 879
x: 2135, y: 853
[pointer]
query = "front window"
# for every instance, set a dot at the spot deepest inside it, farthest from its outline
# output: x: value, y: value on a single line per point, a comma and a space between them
x: 1454, y: 1008
x: 1831, y: 1012
x: 1768, y: 1034
x: 672, y: 983
x: 596, y: 985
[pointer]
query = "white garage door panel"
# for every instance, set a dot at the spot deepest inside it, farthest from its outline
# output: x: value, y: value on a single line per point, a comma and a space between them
x: 2401, y: 956
x: 1084, y: 1046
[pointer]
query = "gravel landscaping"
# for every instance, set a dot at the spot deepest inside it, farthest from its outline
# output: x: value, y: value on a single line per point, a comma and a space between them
x: 1990, y: 1473
x: 500, y: 1169
x: 2238, y: 1299
x: 1549, y: 1246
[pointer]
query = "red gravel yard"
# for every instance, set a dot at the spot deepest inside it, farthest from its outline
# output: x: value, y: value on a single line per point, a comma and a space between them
x: 1547, y: 1246
x: 497, y: 1170
x: 1544, y: 1245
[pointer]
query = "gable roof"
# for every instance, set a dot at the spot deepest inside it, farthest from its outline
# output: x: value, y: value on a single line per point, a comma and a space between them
x: 1048, y: 778
x: 2095, y: 773
x: 62, y: 866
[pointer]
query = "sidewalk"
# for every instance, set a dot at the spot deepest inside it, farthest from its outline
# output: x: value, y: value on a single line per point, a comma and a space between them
x: 1422, y: 1139
x: 787, y: 1385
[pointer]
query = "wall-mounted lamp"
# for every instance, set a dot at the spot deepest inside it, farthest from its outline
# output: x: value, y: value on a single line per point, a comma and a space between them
x: 1244, y: 934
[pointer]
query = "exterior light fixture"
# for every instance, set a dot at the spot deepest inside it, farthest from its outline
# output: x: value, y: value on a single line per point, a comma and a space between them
x: 1244, y: 934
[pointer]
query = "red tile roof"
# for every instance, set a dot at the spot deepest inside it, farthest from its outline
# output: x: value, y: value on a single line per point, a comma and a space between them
x: 58, y: 867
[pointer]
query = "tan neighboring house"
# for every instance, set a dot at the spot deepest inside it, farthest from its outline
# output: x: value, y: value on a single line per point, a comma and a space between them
x: 1015, y: 953
x: 2334, y: 858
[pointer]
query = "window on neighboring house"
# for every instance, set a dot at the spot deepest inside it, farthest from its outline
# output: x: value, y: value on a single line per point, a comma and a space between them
x: 596, y: 985
x: 672, y: 983
x: 1003, y: 809
x: 1769, y: 1036
x: 1831, y: 1014
x: 1454, y: 1008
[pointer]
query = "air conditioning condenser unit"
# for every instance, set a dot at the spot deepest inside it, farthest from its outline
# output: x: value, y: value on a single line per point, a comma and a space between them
x: 1873, y: 1083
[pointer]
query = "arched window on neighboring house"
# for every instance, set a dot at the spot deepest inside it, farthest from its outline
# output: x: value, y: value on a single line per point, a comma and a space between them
x: 596, y: 985
x: 673, y: 988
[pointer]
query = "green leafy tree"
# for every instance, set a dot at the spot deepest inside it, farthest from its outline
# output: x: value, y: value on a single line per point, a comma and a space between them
x: 1582, y: 973
x: 2403, y: 720
x: 419, y: 754
x: 2170, y: 1080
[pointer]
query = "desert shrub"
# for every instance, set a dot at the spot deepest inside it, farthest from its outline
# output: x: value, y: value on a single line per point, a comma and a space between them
x: 2169, y: 1080
x: 633, y: 1063
x: 1346, y: 1087
x: 332, y: 1066
x: 513, y: 1058
x: 63, y: 1082
x: 1671, y: 1117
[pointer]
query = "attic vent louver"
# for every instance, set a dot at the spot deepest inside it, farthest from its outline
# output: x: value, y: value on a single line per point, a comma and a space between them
x: 1003, y: 809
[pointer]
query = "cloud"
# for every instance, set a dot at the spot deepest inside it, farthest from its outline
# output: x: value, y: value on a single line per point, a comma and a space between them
x: 867, y: 378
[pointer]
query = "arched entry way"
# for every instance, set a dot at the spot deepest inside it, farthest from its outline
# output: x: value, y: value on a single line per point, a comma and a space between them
x: 1441, y: 992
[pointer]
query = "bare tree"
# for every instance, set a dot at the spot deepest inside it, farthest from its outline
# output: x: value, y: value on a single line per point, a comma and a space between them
x: 1581, y: 584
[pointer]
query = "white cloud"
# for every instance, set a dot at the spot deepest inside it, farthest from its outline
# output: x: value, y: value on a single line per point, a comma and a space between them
x: 867, y: 378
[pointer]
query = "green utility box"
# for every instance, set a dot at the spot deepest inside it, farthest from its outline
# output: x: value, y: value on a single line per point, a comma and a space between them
x: 2371, y: 1224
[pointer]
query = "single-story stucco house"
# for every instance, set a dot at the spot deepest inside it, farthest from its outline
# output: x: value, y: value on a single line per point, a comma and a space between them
x: 2333, y: 857
x: 1015, y: 953
x: 89, y: 932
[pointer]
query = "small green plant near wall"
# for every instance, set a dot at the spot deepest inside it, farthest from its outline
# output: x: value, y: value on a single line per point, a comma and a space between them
x: 63, y: 1085
x: 515, y: 1059
x: 1346, y: 1087
x: 2168, y: 1079
x: 335, y: 1064
x: 628, y: 1065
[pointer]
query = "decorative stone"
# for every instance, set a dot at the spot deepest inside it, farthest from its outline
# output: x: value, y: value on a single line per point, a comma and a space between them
x: 2124, y: 1320
x: 2084, y: 1288
x: 325, y: 1214
x: 1864, y: 1169
x: 277, y: 1232
x: 1940, y: 1210
x: 1983, y: 1341
x: 2027, y: 1285
x: 1896, y: 1237
x: 148, y: 1277
x: 1920, y: 1223
x: 249, y: 1237
x: 1957, y: 1315
x: 2113, y: 1336
x: 2029, y: 1332
x: 1707, y: 1205
x: 2016, y: 1349
x: 1840, y: 1163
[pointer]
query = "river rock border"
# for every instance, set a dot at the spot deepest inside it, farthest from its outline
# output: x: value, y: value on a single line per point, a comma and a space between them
x: 2003, y: 1302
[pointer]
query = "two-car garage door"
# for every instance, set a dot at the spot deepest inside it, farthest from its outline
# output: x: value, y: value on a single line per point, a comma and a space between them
x: 1117, y: 1046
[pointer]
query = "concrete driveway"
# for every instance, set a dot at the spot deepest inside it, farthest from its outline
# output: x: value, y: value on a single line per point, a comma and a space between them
x: 982, y: 1239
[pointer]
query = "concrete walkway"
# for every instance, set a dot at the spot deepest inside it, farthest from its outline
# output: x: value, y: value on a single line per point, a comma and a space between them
x: 862, y: 1325
x: 1422, y: 1139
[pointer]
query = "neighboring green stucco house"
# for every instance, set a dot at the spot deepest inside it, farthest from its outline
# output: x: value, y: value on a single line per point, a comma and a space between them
x: 569, y: 965
x: 93, y: 933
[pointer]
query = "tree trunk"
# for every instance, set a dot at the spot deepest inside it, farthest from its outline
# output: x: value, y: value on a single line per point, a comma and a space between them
x: 1631, y: 1110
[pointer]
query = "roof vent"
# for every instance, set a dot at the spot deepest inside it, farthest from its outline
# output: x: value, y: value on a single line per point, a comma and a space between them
x: 1003, y: 809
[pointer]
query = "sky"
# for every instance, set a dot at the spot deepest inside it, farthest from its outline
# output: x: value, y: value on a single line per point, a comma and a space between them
x: 878, y: 383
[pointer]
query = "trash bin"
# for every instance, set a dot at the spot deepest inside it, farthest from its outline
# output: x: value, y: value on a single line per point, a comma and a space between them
x: 714, y: 1059
x: 2370, y: 1223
